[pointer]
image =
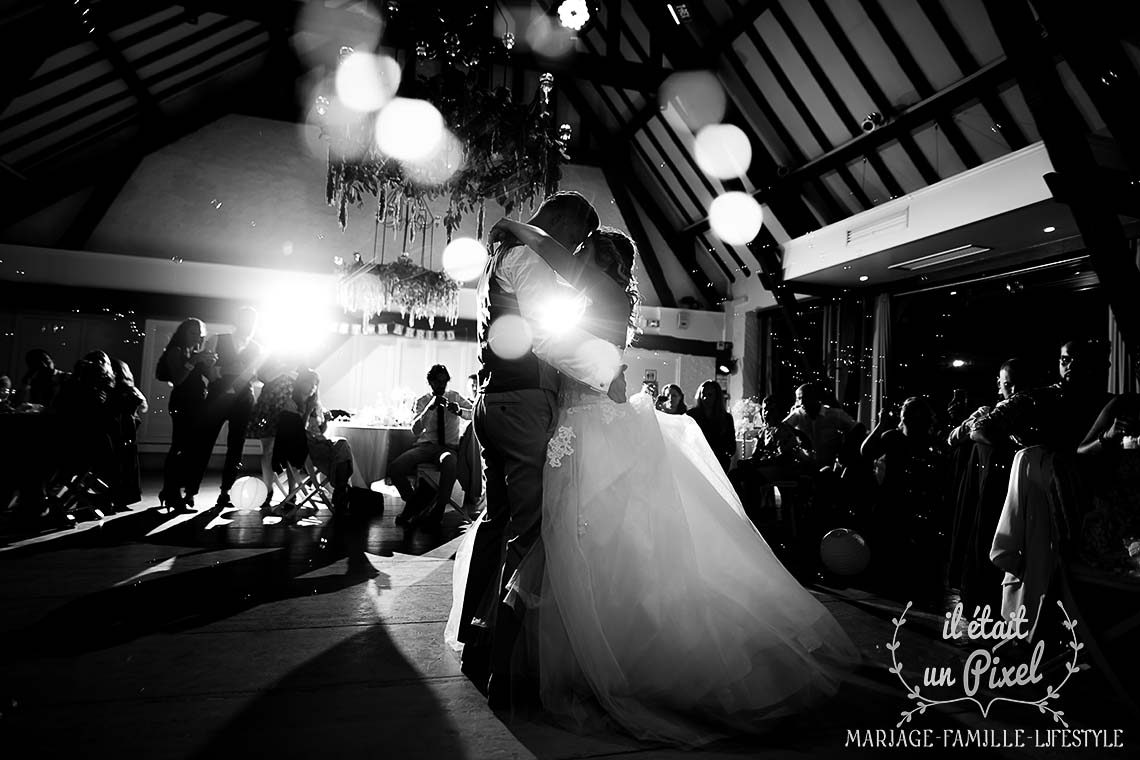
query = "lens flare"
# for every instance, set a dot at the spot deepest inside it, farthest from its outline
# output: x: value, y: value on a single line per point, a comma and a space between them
x: 735, y: 217
x: 365, y: 82
x: 439, y: 165
x: 560, y: 312
x: 509, y: 337
x: 697, y: 96
x: 546, y: 38
x: 722, y: 151
x: 464, y: 259
x: 408, y: 129
x: 601, y: 356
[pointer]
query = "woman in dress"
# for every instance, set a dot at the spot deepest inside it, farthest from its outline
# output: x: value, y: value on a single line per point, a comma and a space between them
x: 189, y: 369
x: 715, y: 422
x: 276, y: 396
x: 658, y: 603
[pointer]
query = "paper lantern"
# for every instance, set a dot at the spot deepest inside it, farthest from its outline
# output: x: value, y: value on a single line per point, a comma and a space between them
x: 248, y: 493
x: 844, y: 552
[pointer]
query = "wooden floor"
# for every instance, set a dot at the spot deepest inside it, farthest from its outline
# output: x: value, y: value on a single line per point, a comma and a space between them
x: 229, y: 634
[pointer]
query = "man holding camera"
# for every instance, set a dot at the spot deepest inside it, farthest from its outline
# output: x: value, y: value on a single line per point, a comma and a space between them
x: 437, y: 428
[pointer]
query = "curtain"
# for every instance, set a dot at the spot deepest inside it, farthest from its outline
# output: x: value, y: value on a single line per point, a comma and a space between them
x: 880, y: 355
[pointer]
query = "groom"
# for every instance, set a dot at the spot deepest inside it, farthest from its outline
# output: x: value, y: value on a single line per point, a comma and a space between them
x: 514, y: 420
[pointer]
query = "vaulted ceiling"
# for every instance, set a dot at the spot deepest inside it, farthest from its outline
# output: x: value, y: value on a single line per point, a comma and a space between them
x: 847, y: 103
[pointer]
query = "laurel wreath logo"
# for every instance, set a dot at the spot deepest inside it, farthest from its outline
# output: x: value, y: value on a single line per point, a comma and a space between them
x: 923, y: 702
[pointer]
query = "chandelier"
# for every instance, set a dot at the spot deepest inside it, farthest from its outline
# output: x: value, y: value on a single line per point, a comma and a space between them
x: 489, y: 146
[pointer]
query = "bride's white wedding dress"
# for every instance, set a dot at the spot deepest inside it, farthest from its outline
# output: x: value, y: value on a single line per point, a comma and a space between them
x: 659, y: 602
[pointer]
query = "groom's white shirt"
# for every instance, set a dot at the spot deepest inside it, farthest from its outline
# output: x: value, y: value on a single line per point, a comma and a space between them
x: 524, y: 273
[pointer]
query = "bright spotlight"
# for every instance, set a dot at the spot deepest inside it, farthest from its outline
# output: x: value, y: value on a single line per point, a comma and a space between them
x: 292, y: 317
x: 409, y: 129
x: 573, y: 14
x: 735, y: 217
x: 365, y: 82
x: 561, y: 312
x: 958, y: 363
x: 464, y: 259
x: 722, y: 151
x: 439, y: 165
x: 509, y: 337
x: 697, y: 95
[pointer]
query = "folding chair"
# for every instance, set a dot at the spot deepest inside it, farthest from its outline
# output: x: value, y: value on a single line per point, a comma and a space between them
x: 430, y: 474
x: 291, y: 449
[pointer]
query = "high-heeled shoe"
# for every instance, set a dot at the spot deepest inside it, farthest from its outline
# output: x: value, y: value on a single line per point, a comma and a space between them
x: 174, y: 503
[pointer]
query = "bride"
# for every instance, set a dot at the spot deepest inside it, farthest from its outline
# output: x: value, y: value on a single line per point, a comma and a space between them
x: 652, y: 597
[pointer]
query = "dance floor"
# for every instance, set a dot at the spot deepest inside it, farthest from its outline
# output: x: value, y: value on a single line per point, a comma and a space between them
x: 216, y: 635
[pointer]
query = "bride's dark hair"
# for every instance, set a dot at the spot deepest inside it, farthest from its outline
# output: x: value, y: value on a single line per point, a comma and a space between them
x: 615, y: 254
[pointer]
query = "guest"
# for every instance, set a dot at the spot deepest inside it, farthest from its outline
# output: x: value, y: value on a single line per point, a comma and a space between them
x: 825, y: 426
x: 128, y: 405
x: 1039, y: 518
x: 649, y: 388
x: 1070, y: 406
x: 909, y: 515
x: 188, y: 369
x: 1114, y: 522
x: 473, y: 385
x: 436, y: 425
x: 42, y: 381
x: 82, y: 405
x: 715, y: 422
x: 230, y: 399
x: 674, y: 400
x: 333, y: 458
x: 6, y: 394
x: 782, y: 452
x: 276, y: 396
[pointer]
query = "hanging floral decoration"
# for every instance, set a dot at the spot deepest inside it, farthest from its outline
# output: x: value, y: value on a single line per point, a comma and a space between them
x: 401, y: 286
x: 495, y: 148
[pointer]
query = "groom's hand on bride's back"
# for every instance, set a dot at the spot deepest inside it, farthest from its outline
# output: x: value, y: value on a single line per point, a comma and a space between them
x: 617, y: 391
x: 500, y: 233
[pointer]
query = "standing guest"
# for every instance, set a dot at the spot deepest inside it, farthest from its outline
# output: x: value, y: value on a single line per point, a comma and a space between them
x: 231, y: 398
x: 825, y: 426
x: 6, y: 394
x: 189, y: 369
x: 715, y: 422
x: 436, y: 426
x: 128, y: 405
x: 276, y: 396
x: 473, y: 385
x: 1073, y: 403
x: 674, y: 400
x: 42, y: 381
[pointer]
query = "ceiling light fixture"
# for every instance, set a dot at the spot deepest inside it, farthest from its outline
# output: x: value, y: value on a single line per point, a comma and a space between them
x: 1049, y: 229
x: 573, y: 14
x: 935, y: 259
x: 863, y: 278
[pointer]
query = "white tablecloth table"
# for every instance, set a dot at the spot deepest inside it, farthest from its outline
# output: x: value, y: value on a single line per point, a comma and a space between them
x: 373, y: 447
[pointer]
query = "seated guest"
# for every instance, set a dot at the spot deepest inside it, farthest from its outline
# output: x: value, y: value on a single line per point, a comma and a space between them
x: 436, y: 425
x: 825, y: 426
x: 333, y: 458
x: 276, y: 396
x: 83, y: 408
x: 1110, y: 447
x: 42, y: 381
x: 674, y: 399
x: 715, y: 422
x: 781, y: 452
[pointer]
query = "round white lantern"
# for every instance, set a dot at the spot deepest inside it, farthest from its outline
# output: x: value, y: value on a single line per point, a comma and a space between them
x: 248, y: 493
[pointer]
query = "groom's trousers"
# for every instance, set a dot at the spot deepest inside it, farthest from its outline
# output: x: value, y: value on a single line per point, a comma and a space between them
x: 514, y: 429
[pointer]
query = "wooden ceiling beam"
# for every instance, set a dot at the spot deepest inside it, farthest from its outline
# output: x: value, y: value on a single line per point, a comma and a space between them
x: 868, y: 82
x: 914, y: 73
x: 1003, y: 120
x: 986, y: 78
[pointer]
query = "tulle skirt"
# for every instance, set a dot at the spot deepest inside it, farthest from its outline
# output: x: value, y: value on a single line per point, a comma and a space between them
x: 652, y: 597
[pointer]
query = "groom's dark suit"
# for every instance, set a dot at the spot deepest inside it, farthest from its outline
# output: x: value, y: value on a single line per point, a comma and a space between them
x: 514, y: 420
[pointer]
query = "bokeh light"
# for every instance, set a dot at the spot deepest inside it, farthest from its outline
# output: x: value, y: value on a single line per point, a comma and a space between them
x: 509, y: 337
x: 697, y: 96
x: 365, y: 82
x: 548, y: 38
x: 722, y: 151
x: 409, y: 129
x: 735, y: 217
x: 439, y: 165
x: 293, y: 315
x: 464, y: 259
x: 313, y: 28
